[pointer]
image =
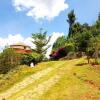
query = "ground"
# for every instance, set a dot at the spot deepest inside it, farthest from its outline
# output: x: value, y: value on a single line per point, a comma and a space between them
x: 58, y: 80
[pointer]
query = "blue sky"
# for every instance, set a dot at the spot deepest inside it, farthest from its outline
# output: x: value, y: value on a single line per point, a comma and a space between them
x: 18, y: 18
x: 13, y: 22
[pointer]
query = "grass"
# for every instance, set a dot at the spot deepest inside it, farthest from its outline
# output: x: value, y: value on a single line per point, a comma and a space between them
x: 18, y: 74
x: 74, y: 87
x: 76, y: 80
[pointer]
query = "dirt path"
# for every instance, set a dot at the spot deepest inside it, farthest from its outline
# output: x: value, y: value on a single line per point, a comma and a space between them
x: 25, y: 82
x: 21, y: 85
x: 20, y: 91
x: 35, y: 93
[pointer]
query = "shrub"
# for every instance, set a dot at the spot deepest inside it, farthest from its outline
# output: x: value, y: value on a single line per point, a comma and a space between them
x: 34, y: 57
x: 70, y: 47
x: 26, y: 59
x: 8, y: 60
x: 70, y: 55
x: 59, y: 53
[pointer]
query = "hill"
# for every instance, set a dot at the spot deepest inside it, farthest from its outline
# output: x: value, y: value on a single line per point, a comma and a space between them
x: 57, y: 80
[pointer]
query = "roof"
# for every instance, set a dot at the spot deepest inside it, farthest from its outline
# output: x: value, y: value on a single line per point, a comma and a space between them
x: 20, y: 44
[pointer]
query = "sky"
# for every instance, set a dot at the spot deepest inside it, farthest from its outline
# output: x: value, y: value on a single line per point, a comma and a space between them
x: 20, y: 18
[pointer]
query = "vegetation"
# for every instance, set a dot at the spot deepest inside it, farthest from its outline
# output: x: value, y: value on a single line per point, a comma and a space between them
x: 71, y: 20
x: 58, y: 54
x: 82, y: 40
x: 73, y: 79
x: 60, y: 42
x: 33, y: 57
x: 8, y: 60
x: 41, y: 40
x: 60, y: 80
x: 94, y: 46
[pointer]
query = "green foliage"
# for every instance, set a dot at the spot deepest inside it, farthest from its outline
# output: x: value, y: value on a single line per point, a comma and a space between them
x: 8, y: 60
x: 70, y: 47
x: 76, y: 28
x: 41, y: 40
x: 99, y: 16
x: 27, y: 59
x: 71, y: 20
x: 81, y: 41
x: 38, y: 57
x: 80, y: 37
x: 60, y: 42
x: 94, y: 45
x: 33, y: 57
x: 86, y: 38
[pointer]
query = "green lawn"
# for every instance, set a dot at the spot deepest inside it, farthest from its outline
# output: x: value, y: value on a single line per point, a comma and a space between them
x: 55, y: 80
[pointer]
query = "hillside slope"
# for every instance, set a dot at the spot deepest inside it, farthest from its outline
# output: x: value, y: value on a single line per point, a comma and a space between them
x: 58, y: 80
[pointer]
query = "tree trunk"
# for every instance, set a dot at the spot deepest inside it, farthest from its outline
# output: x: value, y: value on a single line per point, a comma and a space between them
x: 88, y: 58
x: 96, y: 57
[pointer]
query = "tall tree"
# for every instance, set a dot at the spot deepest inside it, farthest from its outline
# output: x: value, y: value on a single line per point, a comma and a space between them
x: 81, y: 40
x: 71, y: 20
x: 77, y: 28
x: 41, y: 40
x: 94, y: 45
x: 99, y: 16
x: 96, y: 28
x: 86, y: 26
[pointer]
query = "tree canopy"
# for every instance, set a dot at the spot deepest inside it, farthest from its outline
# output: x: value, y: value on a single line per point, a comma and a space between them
x: 41, y: 40
x: 71, y: 20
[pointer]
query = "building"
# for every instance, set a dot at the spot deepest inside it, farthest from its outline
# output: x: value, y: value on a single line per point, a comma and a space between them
x: 21, y: 48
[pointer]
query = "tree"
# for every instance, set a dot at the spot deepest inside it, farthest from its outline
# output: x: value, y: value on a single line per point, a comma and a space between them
x: 99, y: 16
x: 71, y: 20
x: 94, y: 45
x: 76, y: 28
x: 60, y: 42
x: 96, y: 27
x: 41, y: 41
x: 8, y: 60
x: 81, y: 41
x: 86, y: 26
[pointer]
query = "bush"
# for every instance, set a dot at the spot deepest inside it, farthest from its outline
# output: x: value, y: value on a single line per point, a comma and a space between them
x: 8, y: 60
x: 27, y: 59
x: 59, y: 53
x: 34, y: 57
x: 70, y: 47
x: 70, y: 55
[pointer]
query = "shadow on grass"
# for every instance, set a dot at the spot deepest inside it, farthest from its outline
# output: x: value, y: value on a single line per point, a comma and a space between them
x: 81, y: 64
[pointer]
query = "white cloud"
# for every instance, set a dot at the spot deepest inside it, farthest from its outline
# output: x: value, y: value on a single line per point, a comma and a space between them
x: 12, y: 39
x: 55, y: 36
x: 41, y: 9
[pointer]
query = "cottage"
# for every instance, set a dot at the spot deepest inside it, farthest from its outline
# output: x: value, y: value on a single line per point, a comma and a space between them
x: 21, y: 48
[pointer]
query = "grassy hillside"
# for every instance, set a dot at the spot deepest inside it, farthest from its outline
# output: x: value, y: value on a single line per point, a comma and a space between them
x: 56, y: 80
